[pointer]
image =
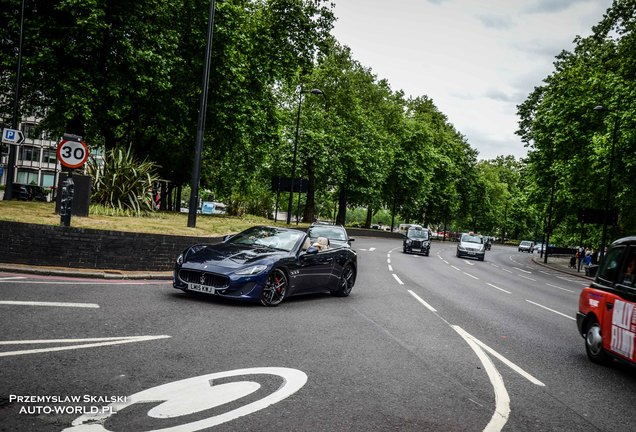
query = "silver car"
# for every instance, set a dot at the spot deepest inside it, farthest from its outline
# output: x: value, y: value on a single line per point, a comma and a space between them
x: 471, y: 245
x: 526, y: 246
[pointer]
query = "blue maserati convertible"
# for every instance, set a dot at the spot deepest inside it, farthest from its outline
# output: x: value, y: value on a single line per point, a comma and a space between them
x: 266, y: 264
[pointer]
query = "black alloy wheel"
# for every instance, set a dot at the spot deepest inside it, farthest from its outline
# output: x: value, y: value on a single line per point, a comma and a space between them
x: 346, y: 282
x: 275, y: 288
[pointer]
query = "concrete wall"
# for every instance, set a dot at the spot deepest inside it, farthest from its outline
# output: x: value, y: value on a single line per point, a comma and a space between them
x: 58, y: 246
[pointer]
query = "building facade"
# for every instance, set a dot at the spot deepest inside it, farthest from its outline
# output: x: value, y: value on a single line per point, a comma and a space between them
x: 36, y: 158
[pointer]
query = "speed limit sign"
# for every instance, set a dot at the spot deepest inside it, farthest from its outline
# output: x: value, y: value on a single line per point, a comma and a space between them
x: 72, y: 154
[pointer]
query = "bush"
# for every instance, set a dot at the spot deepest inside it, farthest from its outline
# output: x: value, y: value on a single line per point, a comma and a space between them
x: 123, y: 182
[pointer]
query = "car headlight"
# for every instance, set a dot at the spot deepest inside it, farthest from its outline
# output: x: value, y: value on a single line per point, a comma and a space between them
x: 252, y: 270
x: 461, y: 248
x: 408, y: 241
x: 180, y: 259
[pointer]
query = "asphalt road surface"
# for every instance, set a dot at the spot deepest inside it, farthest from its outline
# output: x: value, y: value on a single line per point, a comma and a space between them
x: 433, y: 343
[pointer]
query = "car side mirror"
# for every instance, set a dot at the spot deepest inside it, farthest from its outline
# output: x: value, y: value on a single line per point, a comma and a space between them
x: 351, y: 239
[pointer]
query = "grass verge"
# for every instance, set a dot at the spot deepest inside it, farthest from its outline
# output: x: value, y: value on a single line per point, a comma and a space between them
x: 155, y: 223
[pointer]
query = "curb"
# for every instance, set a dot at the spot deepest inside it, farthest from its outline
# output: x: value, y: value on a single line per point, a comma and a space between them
x: 85, y: 273
x: 557, y: 268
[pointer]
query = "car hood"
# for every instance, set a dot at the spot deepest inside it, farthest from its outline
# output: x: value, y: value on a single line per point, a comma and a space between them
x: 229, y: 255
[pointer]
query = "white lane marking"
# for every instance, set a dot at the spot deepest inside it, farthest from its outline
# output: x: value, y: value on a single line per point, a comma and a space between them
x: 526, y: 277
x: 371, y: 249
x: 456, y: 268
x: 11, y: 278
x: 388, y: 255
x: 551, y: 310
x: 522, y: 270
x: 468, y: 274
x: 502, y: 399
x: 507, y: 362
x: 558, y: 287
x: 197, y: 394
x: 388, y: 260
x: 506, y: 270
x: 469, y: 263
x: 419, y: 299
x: 104, y: 342
x: 390, y: 268
x: 494, y: 265
x: 52, y: 304
x: 398, y: 279
x: 500, y: 289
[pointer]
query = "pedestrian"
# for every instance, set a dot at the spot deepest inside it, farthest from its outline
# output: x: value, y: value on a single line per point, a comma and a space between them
x: 580, y: 255
x: 588, y: 257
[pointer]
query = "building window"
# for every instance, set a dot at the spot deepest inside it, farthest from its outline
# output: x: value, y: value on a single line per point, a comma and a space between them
x: 29, y: 153
x: 48, y: 179
x: 27, y: 176
x: 49, y: 156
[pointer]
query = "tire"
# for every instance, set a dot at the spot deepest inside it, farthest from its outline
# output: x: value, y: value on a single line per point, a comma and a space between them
x: 346, y: 282
x: 275, y: 288
x: 594, y: 343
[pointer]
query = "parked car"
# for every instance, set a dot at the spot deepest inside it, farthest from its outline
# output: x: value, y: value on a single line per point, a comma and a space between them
x: 471, y: 245
x: 526, y: 246
x: 266, y: 264
x: 417, y: 239
x: 607, y: 308
x: 336, y: 234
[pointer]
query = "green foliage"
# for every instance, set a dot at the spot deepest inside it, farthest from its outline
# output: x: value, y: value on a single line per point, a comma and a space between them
x: 123, y: 75
x: 123, y: 182
x: 571, y: 143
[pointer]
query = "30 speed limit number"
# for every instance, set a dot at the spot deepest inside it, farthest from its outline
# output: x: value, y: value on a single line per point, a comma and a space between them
x: 72, y: 154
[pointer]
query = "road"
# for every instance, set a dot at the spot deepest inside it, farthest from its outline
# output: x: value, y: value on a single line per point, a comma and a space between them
x: 423, y: 343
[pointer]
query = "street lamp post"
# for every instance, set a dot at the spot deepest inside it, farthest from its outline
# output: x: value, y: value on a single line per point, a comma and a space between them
x: 8, y: 193
x: 293, y: 171
x: 203, y: 106
x: 610, y: 172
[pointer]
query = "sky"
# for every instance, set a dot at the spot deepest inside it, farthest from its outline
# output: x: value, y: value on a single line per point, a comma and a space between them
x: 476, y: 59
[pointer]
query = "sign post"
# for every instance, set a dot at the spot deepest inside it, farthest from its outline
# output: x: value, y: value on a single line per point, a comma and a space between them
x: 72, y: 153
x: 11, y: 137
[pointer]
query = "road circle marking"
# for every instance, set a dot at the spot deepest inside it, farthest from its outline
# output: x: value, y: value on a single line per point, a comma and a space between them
x: 196, y: 394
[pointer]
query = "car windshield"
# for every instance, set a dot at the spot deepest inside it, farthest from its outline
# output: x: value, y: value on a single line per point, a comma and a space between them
x: 526, y: 243
x: 418, y: 233
x: 268, y: 237
x: 331, y: 232
x: 468, y: 238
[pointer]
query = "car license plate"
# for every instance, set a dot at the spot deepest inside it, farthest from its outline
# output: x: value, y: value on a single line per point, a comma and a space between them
x: 471, y: 253
x: 201, y: 288
x: 417, y: 250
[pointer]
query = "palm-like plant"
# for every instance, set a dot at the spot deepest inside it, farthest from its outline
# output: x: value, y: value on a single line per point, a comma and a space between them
x: 123, y: 182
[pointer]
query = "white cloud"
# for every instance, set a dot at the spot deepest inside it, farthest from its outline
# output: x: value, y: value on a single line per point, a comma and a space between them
x: 476, y: 60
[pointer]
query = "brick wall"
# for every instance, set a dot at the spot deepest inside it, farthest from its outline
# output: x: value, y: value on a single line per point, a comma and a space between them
x: 59, y: 246
x: 49, y: 245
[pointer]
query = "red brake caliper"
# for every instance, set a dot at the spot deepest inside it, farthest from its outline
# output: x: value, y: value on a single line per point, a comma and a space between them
x: 277, y: 285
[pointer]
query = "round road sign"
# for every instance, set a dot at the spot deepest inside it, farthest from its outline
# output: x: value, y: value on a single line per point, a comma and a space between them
x: 72, y: 154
